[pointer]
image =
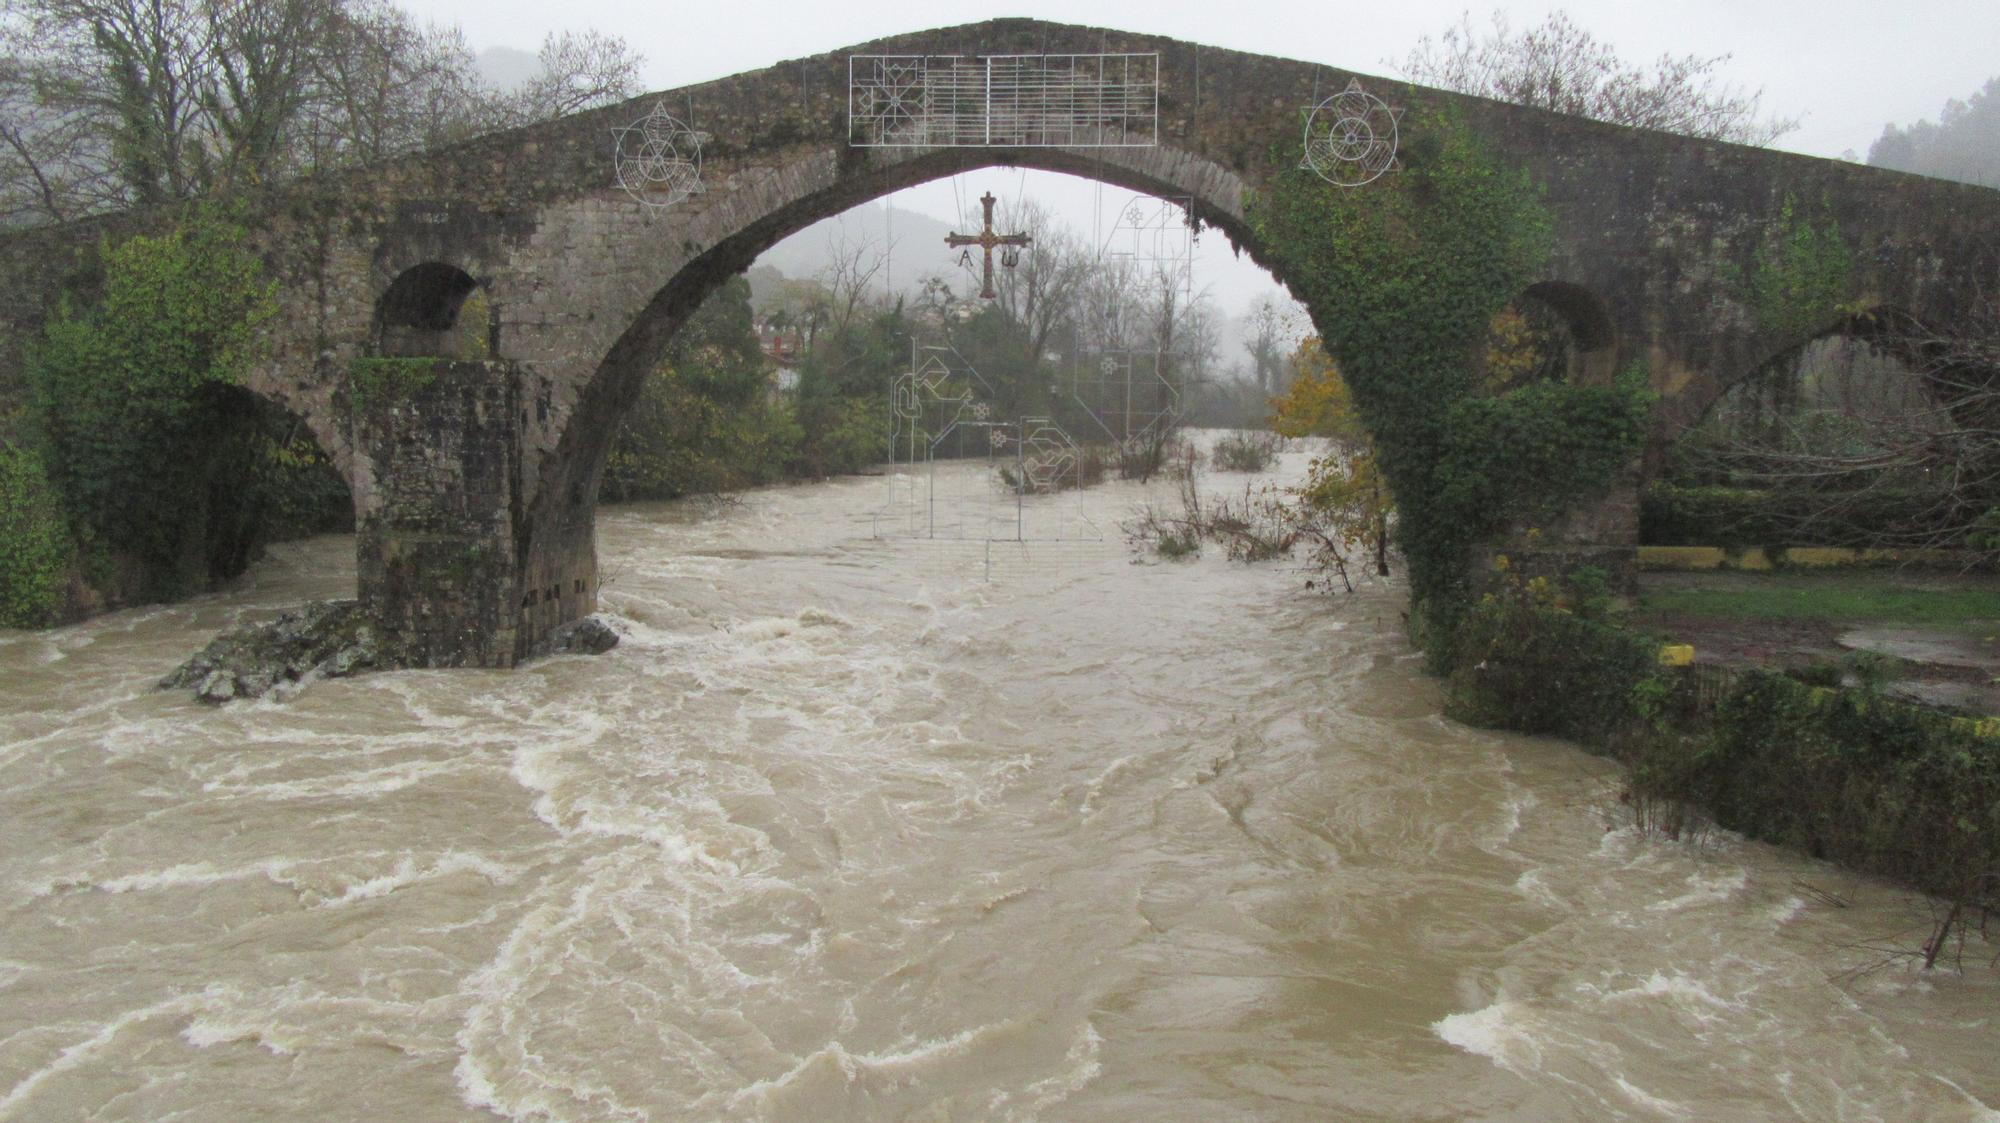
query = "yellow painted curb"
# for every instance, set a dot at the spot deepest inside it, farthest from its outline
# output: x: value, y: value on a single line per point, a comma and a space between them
x: 1986, y: 727
x: 1803, y: 557
x: 1679, y: 557
x: 1676, y: 655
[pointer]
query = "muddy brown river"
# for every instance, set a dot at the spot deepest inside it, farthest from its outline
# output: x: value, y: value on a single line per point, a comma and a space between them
x: 852, y: 828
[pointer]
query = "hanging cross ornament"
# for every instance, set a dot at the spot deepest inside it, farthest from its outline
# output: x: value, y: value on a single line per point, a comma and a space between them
x: 987, y: 240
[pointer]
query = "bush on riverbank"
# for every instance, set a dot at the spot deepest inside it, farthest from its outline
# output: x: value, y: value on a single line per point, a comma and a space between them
x: 1525, y: 659
x: 1671, y: 515
x: 1847, y: 775
x: 35, y: 550
x: 1885, y: 787
x: 141, y: 469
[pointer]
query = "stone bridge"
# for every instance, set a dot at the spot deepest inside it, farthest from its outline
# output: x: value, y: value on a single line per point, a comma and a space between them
x: 519, y: 256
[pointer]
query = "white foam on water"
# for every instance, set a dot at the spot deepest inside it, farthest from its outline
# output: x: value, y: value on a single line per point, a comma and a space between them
x: 1705, y: 889
x: 1533, y: 884
x: 299, y: 1017
x: 87, y: 1050
x: 490, y: 1042
x: 832, y: 1064
x: 1981, y: 1113
x: 1095, y: 789
x: 1649, y: 1101
x: 1080, y: 1066
x: 368, y: 782
x: 1782, y: 913
x: 185, y: 875
x: 408, y: 872
x: 1679, y: 988
x: 1501, y: 1033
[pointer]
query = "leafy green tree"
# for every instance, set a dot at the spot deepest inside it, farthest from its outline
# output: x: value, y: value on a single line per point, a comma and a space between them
x: 706, y: 421
x: 843, y: 394
x: 135, y: 401
x: 34, y: 542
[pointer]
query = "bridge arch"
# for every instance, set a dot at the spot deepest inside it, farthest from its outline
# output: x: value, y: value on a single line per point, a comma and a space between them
x: 1592, y: 333
x: 559, y: 520
x: 419, y: 314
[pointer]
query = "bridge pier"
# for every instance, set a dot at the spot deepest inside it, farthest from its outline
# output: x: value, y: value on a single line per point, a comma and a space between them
x: 449, y: 566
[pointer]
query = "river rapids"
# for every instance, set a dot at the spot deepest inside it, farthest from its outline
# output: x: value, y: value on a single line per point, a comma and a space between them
x: 859, y: 828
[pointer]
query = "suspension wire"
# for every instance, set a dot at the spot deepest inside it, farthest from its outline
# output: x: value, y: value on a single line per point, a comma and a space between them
x: 1021, y: 200
x: 957, y: 201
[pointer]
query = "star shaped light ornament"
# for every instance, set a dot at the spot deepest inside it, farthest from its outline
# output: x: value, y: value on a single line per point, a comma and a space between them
x: 890, y: 105
x: 659, y: 158
x: 1351, y: 137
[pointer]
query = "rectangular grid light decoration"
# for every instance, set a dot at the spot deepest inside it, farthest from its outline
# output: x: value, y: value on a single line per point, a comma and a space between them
x: 1003, y: 101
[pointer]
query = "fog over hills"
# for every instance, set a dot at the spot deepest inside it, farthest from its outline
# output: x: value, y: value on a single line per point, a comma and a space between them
x: 914, y: 243
x: 917, y: 250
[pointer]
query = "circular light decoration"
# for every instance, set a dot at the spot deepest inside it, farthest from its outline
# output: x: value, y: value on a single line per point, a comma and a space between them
x: 1351, y: 137
x: 659, y: 158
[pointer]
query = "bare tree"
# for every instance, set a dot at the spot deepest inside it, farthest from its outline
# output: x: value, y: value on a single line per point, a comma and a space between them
x: 1040, y: 292
x: 1264, y: 339
x: 54, y: 165
x: 391, y: 86
x: 1559, y: 66
x: 1889, y: 437
x: 134, y: 72
x: 121, y: 102
x: 848, y: 275
x: 578, y: 71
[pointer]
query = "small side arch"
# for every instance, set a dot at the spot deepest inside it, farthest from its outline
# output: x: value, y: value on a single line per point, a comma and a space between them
x: 1592, y: 335
x: 434, y: 309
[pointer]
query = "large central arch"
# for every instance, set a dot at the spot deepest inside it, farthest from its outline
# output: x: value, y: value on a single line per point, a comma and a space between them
x: 561, y: 515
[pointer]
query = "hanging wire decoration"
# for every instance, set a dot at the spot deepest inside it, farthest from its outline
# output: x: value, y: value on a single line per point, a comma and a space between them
x: 1017, y: 483
x: 1129, y: 393
x: 1049, y: 459
x: 659, y: 158
x: 1351, y: 137
x: 1133, y: 393
x: 1154, y: 241
x: 1014, y: 101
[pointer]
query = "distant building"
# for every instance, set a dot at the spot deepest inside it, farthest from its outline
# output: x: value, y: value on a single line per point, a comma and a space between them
x: 781, y: 345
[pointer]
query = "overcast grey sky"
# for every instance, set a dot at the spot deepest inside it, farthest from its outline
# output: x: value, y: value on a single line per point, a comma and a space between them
x: 1846, y: 66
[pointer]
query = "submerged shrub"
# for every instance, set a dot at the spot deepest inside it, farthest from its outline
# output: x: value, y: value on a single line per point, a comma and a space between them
x: 1245, y: 451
